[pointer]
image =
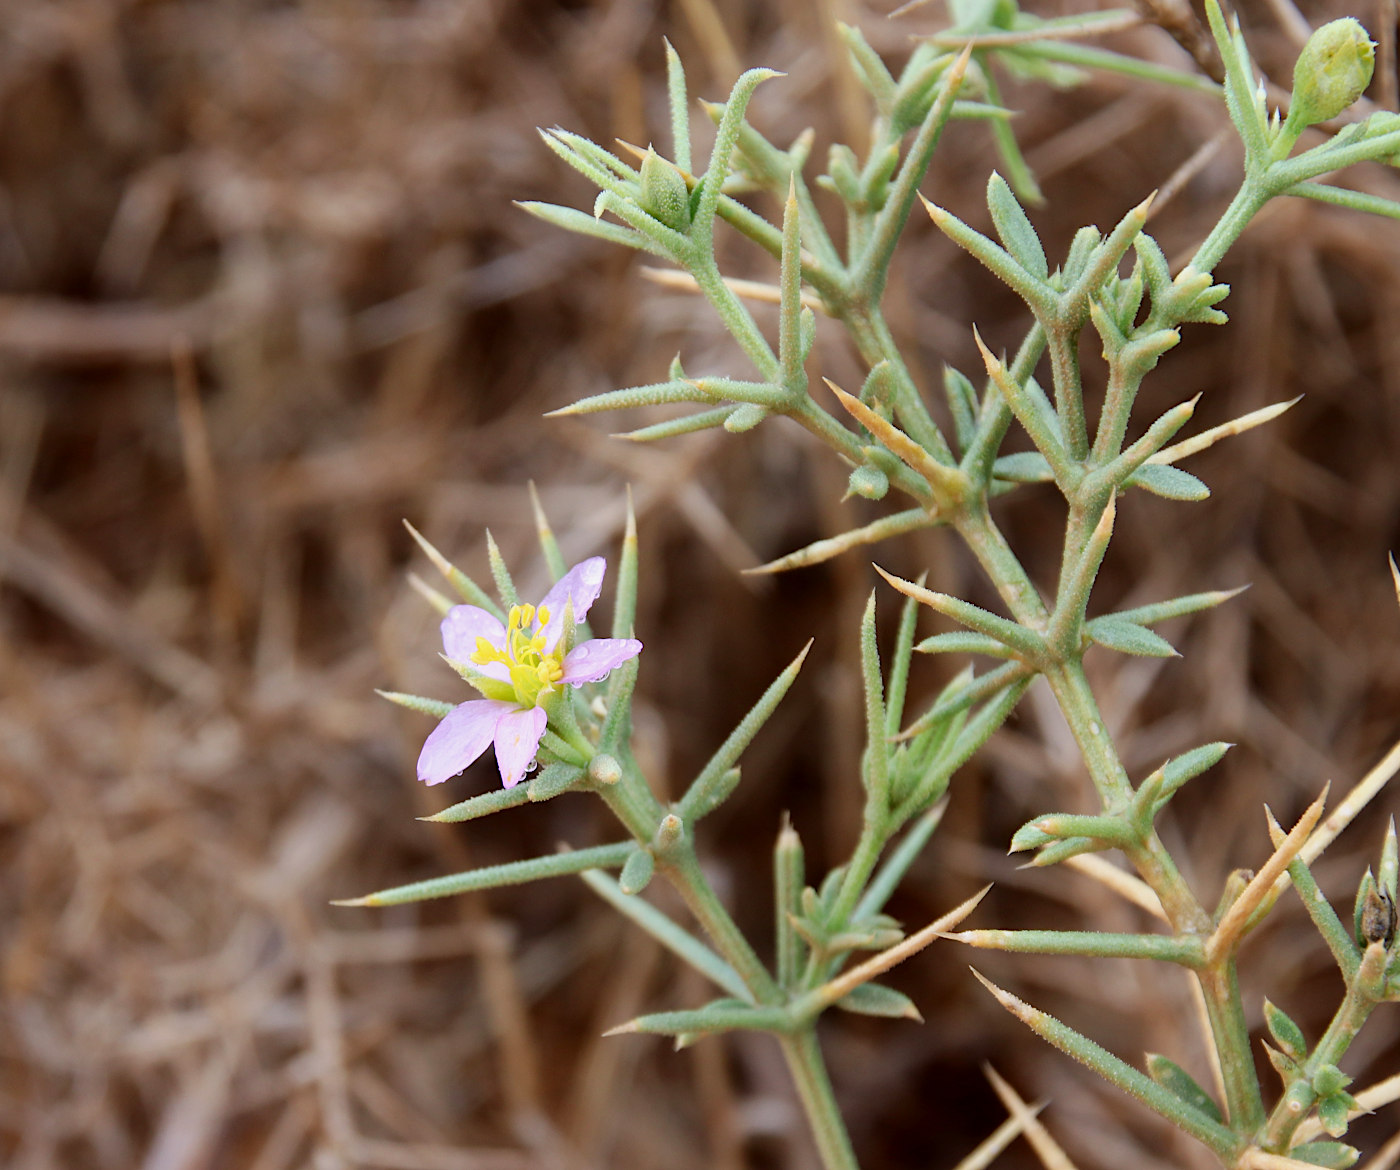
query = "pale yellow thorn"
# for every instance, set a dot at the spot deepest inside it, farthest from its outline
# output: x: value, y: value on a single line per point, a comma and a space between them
x: 828, y: 993
x: 1395, y: 576
x: 1238, y: 426
x: 993, y: 1144
x: 1261, y: 885
x: 751, y: 290
x: 1052, y: 1156
x: 1122, y: 883
x: 1259, y: 1160
x: 1349, y: 807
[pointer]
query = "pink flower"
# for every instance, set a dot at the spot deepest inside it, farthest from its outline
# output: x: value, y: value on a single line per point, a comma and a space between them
x: 520, y: 666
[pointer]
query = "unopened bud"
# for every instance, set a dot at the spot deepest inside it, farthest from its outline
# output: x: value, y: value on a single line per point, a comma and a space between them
x: 870, y: 483
x: 664, y: 194
x: 744, y: 417
x: 604, y: 769
x: 1333, y: 70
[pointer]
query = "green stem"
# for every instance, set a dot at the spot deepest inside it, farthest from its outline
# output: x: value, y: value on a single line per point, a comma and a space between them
x: 1230, y: 1032
x: 681, y: 868
x: 1251, y: 196
x: 1355, y: 1009
x: 804, y: 1060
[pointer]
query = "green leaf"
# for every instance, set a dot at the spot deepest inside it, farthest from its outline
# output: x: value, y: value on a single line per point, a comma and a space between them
x: 871, y: 999
x: 674, y: 938
x: 1287, y: 1035
x: 1329, y: 1079
x: 962, y: 403
x: 963, y: 642
x: 685, y: 425
x: 1332, y: 1112
x: 1189, y: 765
x: 1030, y: 836
x: 1333, y: 1155
x: 1160, y: 611
x: 720, y: 1015
x: 554, y: 779
x: 1118, y: 1072
x: 1129, y: 638
x: 655, y: 394
x: 740, y: 738
x: 1171, y: 483
x: 1171, y: 1075
x: 875, y: 770
x: 434, y: 707
x: 1014, y: 228
x: 483, y: 805
x: 490, y: 877
x: 702, y: 799
x: 637, y: 872
x: 1023, y: 467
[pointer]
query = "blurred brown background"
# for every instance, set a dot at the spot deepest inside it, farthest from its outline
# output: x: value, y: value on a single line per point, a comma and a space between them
x: 263, y: 294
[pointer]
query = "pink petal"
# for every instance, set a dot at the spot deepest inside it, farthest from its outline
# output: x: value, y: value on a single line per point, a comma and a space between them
x: 464, y: 733
x: 462, y: 626
x: 590, y: 661
x: 581, y: 585
x: 517, y: 740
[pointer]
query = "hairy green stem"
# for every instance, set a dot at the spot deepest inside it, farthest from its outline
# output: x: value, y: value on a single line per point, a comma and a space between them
x: 804, y: 1060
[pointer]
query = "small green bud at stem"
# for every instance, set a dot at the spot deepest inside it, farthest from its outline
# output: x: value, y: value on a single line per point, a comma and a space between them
x: 604, y: 769
x: 870, y: 483
x: 664, y: 193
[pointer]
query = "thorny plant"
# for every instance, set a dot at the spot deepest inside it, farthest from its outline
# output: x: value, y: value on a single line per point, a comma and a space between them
x: 546, y: 697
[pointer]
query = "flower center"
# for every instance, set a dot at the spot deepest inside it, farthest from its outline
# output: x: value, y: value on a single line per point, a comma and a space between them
x: 533, y: 671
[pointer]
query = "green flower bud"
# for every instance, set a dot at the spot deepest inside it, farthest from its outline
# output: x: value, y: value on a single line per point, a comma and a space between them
x: 664, y: 194
x: 868, y: 482
x: 744, y: 417
x: 1333, y: 70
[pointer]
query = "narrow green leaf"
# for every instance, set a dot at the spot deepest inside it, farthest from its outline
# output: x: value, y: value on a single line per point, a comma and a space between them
x: 636, y: 873
x: 1340, y: 941
x: 1287, y: 1035
x: 1014, y: 228
x: 490, y: 877
x: 618, y: 722
x: 1023, y: 467
x: 1171, y: 1075
x: 686, y: 424
x: 505, y: 587
x: 1332, y: 1155
x: 966, y: 693
x: 1061, y: 851
x: 700, y: 800
x: 1189, y: 765
x: 467, y: 589
x: 789, y: 878
x: 869, y: 67
x: 1332, y: 1111
x: 721, y: 1015
x: 669, y: 934
x: 1343, y: 197
x: 483, y: 805
x: 899, y: 666
x: 872, y: 999
x: 726, y: 137
x: 1025, y: 643
x: 1160, y: 611
x: 1129, y: 638
x: 656, y: 394
x: 625, y: 594
x: 583, y: 224
x: 964, y: 642
x: 679, y: 102
x: 1186, y: 950
x: 434, y: 707
x: 876, y: 772
x: 1118, y: 1072
x: 898, y: 524
x: 896, y: 865
x: 790, y: 348
x: 963, y: 404
x: 553, y: 780
x: 1171, y: 483
x: 1034, y: 291
x: 740, y: 738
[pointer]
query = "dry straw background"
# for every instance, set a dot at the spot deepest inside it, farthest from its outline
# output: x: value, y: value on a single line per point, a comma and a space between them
x: 264, y: 294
